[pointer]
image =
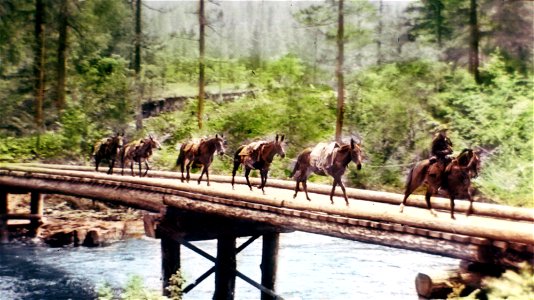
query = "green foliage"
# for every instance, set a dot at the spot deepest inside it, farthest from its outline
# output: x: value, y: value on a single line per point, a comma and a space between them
x: 512, y: 285
x: 415, y: 97
x: 136, y: 291
x: 176, y: 286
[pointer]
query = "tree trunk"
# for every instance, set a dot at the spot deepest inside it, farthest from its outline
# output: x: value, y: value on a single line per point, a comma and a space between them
x: 380, y: 29
x: 137, y: 66
x: 201, y: 66
x: 38, y: 65
x: 473, y: 41
x: 340, y: 39
x: 62, y: 55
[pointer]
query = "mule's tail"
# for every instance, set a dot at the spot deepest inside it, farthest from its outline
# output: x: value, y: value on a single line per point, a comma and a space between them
x: 237, y: 157
x: 303, y: 160
x: 181, y: 157
x: 295, y: 168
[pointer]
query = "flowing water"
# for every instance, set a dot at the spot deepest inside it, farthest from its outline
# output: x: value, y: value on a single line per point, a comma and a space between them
x: 309, y: 267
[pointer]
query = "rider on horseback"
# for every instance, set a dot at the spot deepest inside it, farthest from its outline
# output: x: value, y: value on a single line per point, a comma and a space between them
x: 441, y: 147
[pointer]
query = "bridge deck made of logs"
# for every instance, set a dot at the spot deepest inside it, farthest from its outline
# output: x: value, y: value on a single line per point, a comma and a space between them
x: 494, y: 233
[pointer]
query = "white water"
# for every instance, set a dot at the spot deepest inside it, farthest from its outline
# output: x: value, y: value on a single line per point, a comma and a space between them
x: 309, y: 267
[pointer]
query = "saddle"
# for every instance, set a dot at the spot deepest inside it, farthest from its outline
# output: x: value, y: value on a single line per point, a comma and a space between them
x: 322, y: 157
x: 250, y: 154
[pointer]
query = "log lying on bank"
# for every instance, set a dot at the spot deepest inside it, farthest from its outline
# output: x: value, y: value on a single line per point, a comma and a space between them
x: 461, y: 282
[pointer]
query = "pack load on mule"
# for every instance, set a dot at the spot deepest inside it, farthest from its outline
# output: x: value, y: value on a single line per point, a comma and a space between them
x: 440, y: 172
x: 108, y: 149
x: 326, y: 159
x: 258, y: 156
x: 139, y: 151
x: 200, y: 152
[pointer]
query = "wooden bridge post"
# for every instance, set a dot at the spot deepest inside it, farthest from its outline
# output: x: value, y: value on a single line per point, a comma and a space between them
x: 225, y: 268
x: 170, y: 260
x: 36, y: 207
x: 269, y: 263
x: 4, y: 232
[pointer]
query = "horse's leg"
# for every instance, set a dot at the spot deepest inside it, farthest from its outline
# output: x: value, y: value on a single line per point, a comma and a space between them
x: 131, y: 167
x: 147, y: 167
x: 139, y: 164
x: 187, y: 168
x: 97, y: 162
x: 305, y: 186
x: 412, y: 183
x: 247, y: 172
x: 182, y: 165
x: 452, y: 206
x: 470, y: 198
x: 428, y: 194
x: 111, y: 164
x: 332, y: 192
x: 344, y: 192
x: 297, y: 188
x: 234, y: 170
x: 263, y: 174
x: 207, y: 174
x: 263, y: 179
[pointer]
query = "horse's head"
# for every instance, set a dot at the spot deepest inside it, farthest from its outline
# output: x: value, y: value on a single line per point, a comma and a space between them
x: 469, y: 160
x: 154, y: 143
x: 356, y: 153
x: 279, y: 146
x: 220, y: 144
x: 116, y: 142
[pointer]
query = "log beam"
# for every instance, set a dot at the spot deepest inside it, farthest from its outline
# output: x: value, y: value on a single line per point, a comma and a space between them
x: 4, y: 231
x: 225, y: 268
x: 269, y: 263
x: 36, y: 208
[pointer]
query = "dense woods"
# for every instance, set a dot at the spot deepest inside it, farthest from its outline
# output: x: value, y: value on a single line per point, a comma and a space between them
x: 388, y: 73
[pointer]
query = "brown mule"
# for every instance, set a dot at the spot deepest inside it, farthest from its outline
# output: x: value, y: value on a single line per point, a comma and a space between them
x: 200, y: 153
x: 326, y: 159
x: 258, y: 156
x: 139, y: 151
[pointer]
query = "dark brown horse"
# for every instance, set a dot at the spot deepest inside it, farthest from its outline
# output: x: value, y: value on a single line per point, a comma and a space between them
x: 326, y: 159
x: 139, y: 151
x: 200, y: 153
x: 258, y: 156
x: 454, y: 178
x: 108, y: 149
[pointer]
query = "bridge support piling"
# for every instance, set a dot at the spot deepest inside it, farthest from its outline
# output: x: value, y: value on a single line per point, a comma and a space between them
x: 4, y: 231
x: 170, y: 260
x: 225, y: 268
x: 269, y: 263
x: 36, y: 207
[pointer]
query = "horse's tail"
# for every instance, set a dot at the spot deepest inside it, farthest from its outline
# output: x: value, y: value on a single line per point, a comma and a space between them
x: 302, y: 160
x: 295, y: 168
x: 237, y: 157
x: 409, y: 179
x: 181, y: 156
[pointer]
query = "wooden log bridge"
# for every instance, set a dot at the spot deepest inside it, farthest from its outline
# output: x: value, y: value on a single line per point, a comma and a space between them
x: 186, y: 212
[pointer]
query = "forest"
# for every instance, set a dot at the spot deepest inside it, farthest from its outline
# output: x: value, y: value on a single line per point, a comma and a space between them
x: 386, y: 73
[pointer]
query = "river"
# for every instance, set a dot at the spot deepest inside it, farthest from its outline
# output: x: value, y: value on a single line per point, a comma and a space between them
x: 309, y: 267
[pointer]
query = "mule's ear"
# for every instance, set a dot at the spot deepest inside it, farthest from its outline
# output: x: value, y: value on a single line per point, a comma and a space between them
x: 282, y: 139
x: 352, y: 143
x: 216, y: 135
x: 276, y: 139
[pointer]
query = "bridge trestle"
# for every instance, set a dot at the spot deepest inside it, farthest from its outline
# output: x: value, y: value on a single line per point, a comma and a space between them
x: 178, y: 228
x: 34, y: 216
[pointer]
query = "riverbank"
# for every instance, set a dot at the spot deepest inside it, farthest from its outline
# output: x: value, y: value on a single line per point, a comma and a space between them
x: 70, y: 221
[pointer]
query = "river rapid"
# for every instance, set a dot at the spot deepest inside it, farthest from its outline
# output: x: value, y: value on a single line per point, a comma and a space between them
x: 309, y: 267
